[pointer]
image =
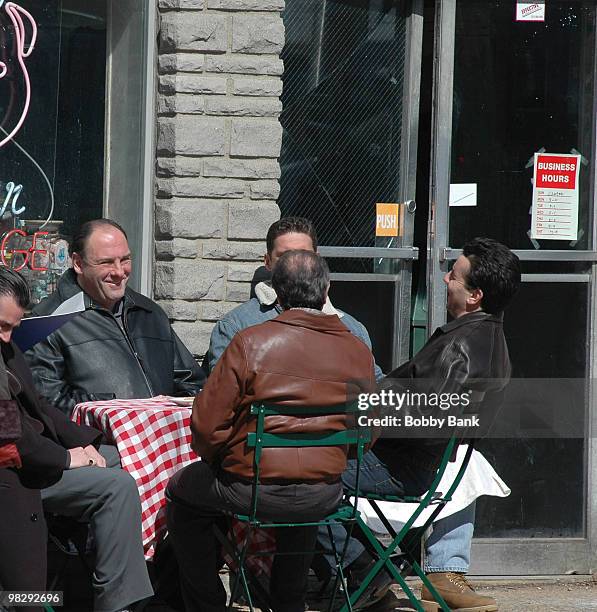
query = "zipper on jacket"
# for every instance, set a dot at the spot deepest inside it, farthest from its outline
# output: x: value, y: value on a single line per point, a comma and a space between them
x: 124, y: 331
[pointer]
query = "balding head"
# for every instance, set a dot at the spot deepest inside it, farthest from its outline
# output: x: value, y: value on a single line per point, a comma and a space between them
x: 301, y: 280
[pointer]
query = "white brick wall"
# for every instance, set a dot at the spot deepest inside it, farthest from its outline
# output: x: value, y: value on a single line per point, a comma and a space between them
x: 218, y: 145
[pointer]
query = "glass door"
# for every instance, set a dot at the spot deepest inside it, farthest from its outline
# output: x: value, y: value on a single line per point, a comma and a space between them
x: 506, y: 91
x: 350, y: 117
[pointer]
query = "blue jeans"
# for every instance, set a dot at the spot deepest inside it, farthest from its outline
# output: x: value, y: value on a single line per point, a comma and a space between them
x: 448, y: 549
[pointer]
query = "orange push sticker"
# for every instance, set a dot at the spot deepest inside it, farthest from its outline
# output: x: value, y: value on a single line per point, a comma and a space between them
x: 387, y: 220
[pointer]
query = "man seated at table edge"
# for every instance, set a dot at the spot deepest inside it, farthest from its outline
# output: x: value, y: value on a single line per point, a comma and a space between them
x: 121, y: 345
x: 303, y: 358
x: 78, y: 477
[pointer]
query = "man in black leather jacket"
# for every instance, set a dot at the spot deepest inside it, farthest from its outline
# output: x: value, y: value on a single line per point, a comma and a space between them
x: 469, y: 352
x: 121, y: 344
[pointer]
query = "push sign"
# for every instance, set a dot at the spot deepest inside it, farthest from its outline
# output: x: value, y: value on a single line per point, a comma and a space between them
x: 555, y: 196
x: 388, y: 220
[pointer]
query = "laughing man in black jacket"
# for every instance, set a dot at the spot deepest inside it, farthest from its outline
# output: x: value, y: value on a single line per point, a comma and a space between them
x: 121, y: 345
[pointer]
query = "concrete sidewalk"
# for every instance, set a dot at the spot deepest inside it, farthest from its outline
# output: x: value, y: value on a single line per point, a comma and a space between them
x: 560, y: 594
x: 540, y: 595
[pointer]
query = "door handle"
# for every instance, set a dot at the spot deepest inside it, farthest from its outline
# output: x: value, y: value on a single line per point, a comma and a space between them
x: 411, y: 206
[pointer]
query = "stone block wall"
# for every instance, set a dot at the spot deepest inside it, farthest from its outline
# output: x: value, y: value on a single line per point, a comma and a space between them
x: 218, y: 143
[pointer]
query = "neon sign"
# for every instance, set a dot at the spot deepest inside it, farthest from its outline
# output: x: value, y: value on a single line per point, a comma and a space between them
x: 12, y: 191
x: 15, y: 14
x: 7, y: 254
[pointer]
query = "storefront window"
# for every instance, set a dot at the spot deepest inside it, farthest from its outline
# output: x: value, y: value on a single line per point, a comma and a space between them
x: 59, y: 133
x: 520, y: 88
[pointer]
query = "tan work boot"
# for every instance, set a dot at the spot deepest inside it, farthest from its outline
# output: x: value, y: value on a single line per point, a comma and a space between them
x: 457, y: 593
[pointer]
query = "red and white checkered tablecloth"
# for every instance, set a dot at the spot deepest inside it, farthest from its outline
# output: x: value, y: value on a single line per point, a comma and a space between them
x: 153, y: 437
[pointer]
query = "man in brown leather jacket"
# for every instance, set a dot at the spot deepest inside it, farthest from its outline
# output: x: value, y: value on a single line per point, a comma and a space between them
x: 304, y: 358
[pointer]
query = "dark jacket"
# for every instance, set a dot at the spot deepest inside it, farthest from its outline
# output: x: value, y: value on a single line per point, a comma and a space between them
x: 46, y: 432
x: 297, y: 359
x: 468, y: 353
x: 46, y: 436
x: 92, y: 358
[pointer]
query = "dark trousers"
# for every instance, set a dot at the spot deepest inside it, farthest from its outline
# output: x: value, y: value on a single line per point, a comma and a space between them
x: 107, y: 499
x: 200, y: 497
x: 23, y: 537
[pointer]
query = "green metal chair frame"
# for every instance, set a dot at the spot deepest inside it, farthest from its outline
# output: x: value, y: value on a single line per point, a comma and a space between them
x: 405, y: 538
x: 347, y: 513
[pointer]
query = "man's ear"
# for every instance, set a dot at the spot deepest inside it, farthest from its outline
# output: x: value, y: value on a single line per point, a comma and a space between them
x: 77, y: 263
x: 267, y: 262
x: 475, y: 298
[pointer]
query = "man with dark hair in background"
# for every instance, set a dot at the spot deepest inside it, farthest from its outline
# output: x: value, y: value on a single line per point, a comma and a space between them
x: 121, y: 345
x: 286, y: 234
x: 303, y: 357
x: 468, y: 351
x: 76, y: 479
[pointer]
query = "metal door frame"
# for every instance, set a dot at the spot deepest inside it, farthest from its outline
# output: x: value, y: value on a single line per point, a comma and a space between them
x: 129, y: 179
x: 506, y: 556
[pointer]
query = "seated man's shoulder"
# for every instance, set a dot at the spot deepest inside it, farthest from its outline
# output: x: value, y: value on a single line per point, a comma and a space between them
x: 478, y: 330
x: 355, y: 326
x: 359, y: 346
x: 249, y: 313
x: 144, y: 302
x: 67, y: 290
x: 349, y: 320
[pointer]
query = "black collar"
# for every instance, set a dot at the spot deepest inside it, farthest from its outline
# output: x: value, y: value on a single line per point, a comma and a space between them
x: 472, y: 317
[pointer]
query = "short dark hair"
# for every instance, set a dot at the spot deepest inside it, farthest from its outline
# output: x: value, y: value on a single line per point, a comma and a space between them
x: 13, y: 285
x: 85, y: 230
x: 495, y: 269
x: 290, y: 225
x: 300, y: 280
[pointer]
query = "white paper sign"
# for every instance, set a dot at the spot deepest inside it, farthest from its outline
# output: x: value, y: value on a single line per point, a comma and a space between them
x: 555, y: 196
x: 463, y: 194
x: 530, y: 11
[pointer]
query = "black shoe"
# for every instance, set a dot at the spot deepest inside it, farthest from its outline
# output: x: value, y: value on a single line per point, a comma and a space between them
x: 376, y: 590
x: 379, y: 586
x: 321, y: 568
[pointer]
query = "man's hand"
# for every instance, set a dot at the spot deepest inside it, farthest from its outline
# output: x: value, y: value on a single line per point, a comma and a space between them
x: 79, y: 458
x: 98, y: 460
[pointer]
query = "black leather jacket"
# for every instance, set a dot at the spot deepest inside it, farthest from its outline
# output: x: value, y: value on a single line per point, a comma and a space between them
x: 470, y: 348
x: 91, y: 357
x: 469, y: 353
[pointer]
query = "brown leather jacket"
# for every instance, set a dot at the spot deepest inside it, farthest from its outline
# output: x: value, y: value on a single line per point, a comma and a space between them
x: 300, y: 358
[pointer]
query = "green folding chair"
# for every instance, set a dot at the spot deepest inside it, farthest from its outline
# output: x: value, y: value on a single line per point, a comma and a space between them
x: 346, y: 513
x: 407, y: 536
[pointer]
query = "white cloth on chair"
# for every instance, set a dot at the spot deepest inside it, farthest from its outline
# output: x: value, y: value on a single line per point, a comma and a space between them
x: 479, y: 479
